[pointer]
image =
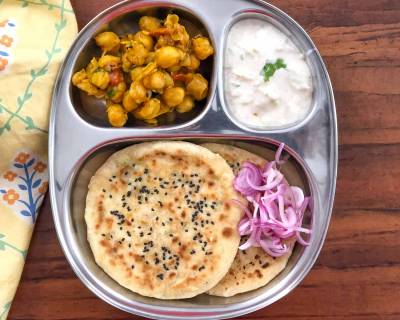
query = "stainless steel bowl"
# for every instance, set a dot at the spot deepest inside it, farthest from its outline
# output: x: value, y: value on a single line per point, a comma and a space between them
x: 79, y: 143
x: 93, y: 110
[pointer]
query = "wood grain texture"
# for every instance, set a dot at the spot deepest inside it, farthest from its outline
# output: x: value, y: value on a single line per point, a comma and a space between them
x: 357, y: 275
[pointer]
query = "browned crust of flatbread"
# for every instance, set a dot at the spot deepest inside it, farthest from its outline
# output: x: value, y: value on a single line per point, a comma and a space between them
x: 252, y: 268
x: 159, y: 219
x: 234, y: 156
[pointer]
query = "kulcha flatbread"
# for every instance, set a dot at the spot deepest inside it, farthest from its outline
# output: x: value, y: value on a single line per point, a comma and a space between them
x: 159, y: 219
x: 252, y: 268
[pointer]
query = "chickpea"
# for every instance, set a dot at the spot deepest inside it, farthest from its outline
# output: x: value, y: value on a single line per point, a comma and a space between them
x: 174, y: 69
x: 156, y: 81
x: 144, y: 39
x: 186, y: 105
x: 136, y: 73
x: 149, y: 69
x: 116, y: 93
x: 128, y: 102
x: 185, y: 61
x: 108, y: 41
x: 183, y: 38
x: 151, y: 57
x: 202, y: 48
x: 138, y: 92
x: 197, y: 87
x: 173, y: 96
x: 109, y: 62
x: 168, y: 56
x: 149, y: 110
x: 152, y: 122
x: 169, y: 82
x: 116, y: 115
x: 163, y: 109
x: 126, y: 64
x: 194, y: 63
x: 191, y: 62
x: 90, y: 89
x: 80, y: 80
x: 78, y: 77
x: 92, y: 66
x: 137, y: 54
x: 100, y: 79
x: 149, y: 23
x: 146, y: 82
x: 139, y: 73
x: 178, y: 32
x: 171, y: 20
x: 164, y: 41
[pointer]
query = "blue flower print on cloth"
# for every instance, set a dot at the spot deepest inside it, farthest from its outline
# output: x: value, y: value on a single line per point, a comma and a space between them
x: 23, y: 186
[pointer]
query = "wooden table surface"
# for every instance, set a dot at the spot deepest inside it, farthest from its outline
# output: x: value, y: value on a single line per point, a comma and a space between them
x: 357, y: 275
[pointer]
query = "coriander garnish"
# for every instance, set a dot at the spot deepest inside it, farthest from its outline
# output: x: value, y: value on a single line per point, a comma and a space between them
x: 269, y: 68
x: 110, y: 93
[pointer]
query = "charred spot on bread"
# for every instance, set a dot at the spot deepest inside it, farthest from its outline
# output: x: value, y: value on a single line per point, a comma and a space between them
x: 227, y: 232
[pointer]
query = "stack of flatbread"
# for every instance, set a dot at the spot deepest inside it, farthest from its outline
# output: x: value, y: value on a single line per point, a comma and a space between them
x: 161, y: 223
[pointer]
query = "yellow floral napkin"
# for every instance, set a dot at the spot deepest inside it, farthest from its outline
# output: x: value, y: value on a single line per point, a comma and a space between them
x: 34, y: 38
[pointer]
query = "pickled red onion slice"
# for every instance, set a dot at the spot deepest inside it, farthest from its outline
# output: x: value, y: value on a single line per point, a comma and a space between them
x: 278, y: 208
x: 249, y: 173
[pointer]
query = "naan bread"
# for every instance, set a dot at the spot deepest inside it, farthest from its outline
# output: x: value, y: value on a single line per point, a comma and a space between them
x: 252, y: 268
x: 159, y: 219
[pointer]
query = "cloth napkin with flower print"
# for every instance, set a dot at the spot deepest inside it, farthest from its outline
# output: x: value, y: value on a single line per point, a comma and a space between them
x: 34, y: 38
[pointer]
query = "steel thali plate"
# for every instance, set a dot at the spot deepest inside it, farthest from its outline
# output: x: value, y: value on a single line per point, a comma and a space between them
x: 79, y: 143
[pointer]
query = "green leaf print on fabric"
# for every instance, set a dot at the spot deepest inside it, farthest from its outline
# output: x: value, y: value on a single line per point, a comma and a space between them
x: 50, y: 6
x: 27, y: 120
x: 61, y: 25
x: 35, y: 74
x: 6, y: 307
x: 4, y: 244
